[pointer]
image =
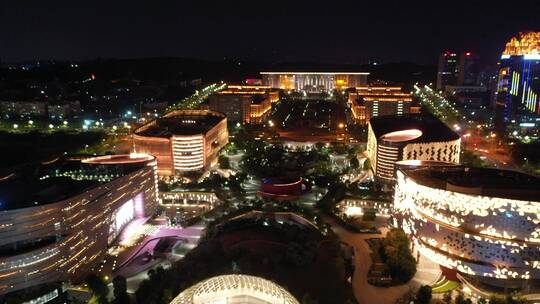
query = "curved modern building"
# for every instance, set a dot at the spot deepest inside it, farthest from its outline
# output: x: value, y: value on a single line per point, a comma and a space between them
x: 57, y: 222
x: 409, y: 137
x: 183, y: 140
x: 236, y: 288
x: 483, y: 223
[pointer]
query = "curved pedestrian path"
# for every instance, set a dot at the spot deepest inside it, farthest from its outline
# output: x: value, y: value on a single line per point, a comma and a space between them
x: 365, y: 293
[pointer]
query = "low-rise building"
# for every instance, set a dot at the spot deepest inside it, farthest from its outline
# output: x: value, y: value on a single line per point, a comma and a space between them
x: 372, y: 101
x: 243, y: 103
x: 183, y: 140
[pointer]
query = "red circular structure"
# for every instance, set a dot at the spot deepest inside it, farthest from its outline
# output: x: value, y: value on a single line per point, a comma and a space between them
x: 283, y: 188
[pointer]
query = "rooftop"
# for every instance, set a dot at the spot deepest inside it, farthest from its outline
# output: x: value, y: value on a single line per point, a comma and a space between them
x: 182, y: 122
x: 256, y: 97
x: 64, y: 179
x: 31, y: 191
x: 381, y: 93
x: 478, y: 181
x: 431, y: 128
x: 527, y: 43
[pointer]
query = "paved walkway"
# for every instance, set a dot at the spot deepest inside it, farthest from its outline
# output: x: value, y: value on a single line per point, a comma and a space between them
x: 427, y: 271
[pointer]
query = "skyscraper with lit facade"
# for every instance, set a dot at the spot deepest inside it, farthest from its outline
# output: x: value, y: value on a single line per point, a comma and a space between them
x: 518, y: 87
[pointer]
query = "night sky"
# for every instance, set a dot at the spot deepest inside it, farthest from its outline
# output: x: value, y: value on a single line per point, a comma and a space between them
x: 277, y: 31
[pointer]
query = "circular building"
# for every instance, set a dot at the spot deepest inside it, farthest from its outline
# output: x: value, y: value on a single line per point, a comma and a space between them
x: 58, y: 221
x: 236, y: 288
x: 183, y: 140
x: 482, y: 223
x: 409, y: 137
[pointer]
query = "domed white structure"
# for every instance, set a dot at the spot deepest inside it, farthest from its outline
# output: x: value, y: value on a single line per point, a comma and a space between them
x: 236, y: 288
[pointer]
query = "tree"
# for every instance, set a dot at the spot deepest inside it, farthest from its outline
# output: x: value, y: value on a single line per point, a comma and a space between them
x: 423, y: 296
x: 460, y: 299
x: 367, y: 164
x: 354, y: 163
x: 120, y: 290
x: 308, y: 299
x: 299, y: 255
x: 447, y: 297
x: 98, y: 287
x: 224, y: 162
x: 397, y: 255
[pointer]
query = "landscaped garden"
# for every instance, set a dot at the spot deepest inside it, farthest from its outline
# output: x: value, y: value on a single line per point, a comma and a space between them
x: 393, y: 263
x: 299, y: 257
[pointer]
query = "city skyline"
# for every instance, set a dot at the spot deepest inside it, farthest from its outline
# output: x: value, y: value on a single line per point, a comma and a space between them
x: 263, y: 152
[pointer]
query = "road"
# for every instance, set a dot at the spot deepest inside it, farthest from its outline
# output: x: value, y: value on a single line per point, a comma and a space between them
x: 491, y: 150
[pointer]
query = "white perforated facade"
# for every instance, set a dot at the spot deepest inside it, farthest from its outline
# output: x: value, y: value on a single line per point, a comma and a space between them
x: 238, y: 288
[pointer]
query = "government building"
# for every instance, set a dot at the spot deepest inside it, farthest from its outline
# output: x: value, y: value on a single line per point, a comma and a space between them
x: 409, y: 137
x: 183, y: 140
x: 483, y: 224
x: 58, y: 221
x: 314, y: 82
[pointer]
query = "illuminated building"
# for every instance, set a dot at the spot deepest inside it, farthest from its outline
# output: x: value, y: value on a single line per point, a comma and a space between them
x: 518, y: 88
x: 313, y: 82
x: 235, y: 288
x: 409, y: 137
x: 447, y: 72
x: 23, y: 108
x: 183, y: 140
x: 57, y: 223
x: 483, y: 223
x: 468, y: 69
x: 372, y: 101
x: 243, y: 103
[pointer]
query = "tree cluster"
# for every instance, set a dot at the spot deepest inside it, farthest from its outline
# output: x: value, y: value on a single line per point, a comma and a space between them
x: 396, y: 254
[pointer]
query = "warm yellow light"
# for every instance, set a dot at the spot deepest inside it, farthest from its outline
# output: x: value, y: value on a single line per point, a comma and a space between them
x: 524, y: 44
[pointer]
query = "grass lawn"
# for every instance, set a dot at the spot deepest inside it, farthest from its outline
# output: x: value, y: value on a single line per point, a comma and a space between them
x: 445, y: 286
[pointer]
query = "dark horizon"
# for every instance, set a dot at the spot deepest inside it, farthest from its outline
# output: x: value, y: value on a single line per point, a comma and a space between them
x: 348, y: 34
